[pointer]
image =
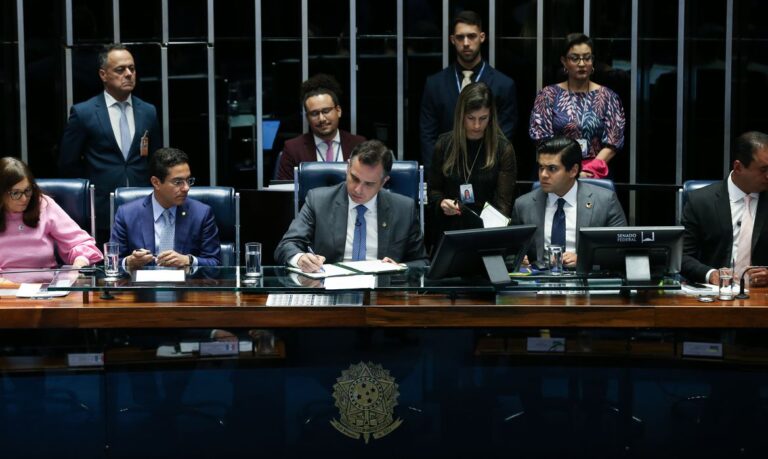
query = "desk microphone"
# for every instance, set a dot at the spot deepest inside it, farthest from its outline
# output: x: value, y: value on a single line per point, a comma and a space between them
x: 742, y: 295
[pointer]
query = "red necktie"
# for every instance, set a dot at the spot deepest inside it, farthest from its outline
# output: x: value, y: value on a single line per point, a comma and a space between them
x: 329, y: 156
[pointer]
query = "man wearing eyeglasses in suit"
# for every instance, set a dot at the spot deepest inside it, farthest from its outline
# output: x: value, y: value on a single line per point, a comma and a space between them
x: 167, y: 227
x: 325, y: 141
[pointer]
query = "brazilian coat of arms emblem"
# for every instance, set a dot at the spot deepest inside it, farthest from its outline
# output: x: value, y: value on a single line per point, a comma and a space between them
x: 366, y: 396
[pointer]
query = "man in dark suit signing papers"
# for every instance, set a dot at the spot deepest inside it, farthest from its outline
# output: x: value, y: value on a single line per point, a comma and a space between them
x: 166, y: 227
x: 563, y: 204
x: 109, y: 137
x: 355, y: 220
x: 719, y: 230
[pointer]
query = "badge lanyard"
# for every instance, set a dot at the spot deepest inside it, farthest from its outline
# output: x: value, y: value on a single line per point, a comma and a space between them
x: 466, y: 191
x: 479, y: 74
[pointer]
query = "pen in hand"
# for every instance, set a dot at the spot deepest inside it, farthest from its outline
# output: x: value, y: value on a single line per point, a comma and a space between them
x: 313, y: 253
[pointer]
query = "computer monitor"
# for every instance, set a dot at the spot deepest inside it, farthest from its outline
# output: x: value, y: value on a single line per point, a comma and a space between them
x: 473, y: 252
x: 639, y: 254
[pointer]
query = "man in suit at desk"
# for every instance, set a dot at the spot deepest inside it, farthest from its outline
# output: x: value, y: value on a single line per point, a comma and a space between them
x: 441, y: 92
x: 326, y: 142
x: 355, y: 220
x: 563, y: 204
x: 718, y: 228
x: 109, y: 137
x: 166, y: 227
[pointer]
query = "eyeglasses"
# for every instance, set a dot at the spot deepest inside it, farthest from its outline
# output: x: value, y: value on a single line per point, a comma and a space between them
x: 575, y: 59
x: 314, y: 114
x: 16, y: 194
x: 179, y: 182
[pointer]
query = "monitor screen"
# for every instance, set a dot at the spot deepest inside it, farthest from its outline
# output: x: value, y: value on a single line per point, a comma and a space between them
x: 638, y: 254
x: 480, y: 252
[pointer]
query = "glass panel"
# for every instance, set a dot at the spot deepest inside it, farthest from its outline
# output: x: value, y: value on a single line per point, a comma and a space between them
x: 377, y: 72
x: 750, y: 68
x: 9, y: 77
x: 423, y: 57
x: 141, y: 20
x: 561, y: 17
x: 91, y: 21
x: 188, y: 105
x: 188, y: 20
x: 705, y: 90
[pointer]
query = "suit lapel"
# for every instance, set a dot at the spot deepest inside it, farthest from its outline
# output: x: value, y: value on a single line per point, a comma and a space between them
x: 310, y: 149
x: 139, y: 126
x: 102, y: 114
x: 760, y: 216
x: 383, y: 214
x: 147, y: 226
x: 539, y: 207
x: 339, y: 218
x: 584, y: 208
x: 723, y: 214
x: 182, y: 230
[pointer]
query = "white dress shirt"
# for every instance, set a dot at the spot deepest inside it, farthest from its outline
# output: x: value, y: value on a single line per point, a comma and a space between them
x: 371, y: 230
x: 113, y: 108
x: 570, y: 206
x: 321, y: 147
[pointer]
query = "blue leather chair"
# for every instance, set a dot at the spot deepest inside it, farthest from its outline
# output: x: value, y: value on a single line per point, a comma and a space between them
x: 603, y: 183
x: 224, y: 201
x: 682, y: 194
x: 406, y: 178
x: 75, y: 196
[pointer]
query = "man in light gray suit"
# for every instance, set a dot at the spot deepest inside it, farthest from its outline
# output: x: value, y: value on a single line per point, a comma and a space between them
x: 564, y: 201
x: 355, y: 220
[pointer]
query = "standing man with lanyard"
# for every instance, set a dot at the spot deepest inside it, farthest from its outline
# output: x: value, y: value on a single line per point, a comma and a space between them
x: 109, y: 137
x: 326, y: 142
x: 442, y: 89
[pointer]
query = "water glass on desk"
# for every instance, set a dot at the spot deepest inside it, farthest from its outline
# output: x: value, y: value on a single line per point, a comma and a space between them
x: 111, y: 257
x: 555, y: 259
x: 725, y: 290
x: 252, y: 259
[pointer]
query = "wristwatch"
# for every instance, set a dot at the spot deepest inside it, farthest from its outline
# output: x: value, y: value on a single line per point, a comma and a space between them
x: 191, y: 259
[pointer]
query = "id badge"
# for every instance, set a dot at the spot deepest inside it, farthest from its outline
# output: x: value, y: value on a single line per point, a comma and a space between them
x: 467, y: 193
x: 584, y: 147
x: 144, y: 150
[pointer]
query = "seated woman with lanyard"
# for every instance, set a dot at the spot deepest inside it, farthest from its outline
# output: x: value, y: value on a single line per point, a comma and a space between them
x: 33, y: 226
x: 471, y: 165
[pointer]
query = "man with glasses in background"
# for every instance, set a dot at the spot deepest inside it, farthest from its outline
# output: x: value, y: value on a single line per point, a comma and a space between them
x: 166, y: 227
x: 326, y: 142
x: 442, y: 89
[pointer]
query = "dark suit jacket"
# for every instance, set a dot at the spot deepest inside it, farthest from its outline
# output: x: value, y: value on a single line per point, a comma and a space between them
x: 708, y: 237
x: 302, y: 148
x: 440, y: 97
x: 595, y: 207
x: 196, y: 232
x: 89, y: 149
x: 322, y: 224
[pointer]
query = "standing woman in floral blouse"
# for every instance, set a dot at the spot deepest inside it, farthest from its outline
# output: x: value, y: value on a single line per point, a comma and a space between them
x: 580, y: 109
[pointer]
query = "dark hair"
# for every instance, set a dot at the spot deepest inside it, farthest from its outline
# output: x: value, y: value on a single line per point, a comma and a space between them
x: 318, y: 85
x: 13, y: 171
x: 372, y: 153
x: 473, y: 97
x: 467, y: 17
x: 164, y: 159
x: 573, y: 39
x: 745, y: 146
x: 568, y: 149
x: 104, y: 53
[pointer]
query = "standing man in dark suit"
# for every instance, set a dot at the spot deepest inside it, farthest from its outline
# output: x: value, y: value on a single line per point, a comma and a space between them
x: 564, y: 200
x: 442, y: 89
x: 718, y: 229
x: 166, y: 227
x: 355, y: 220
x: 326, y: 142
x: 109, y: 137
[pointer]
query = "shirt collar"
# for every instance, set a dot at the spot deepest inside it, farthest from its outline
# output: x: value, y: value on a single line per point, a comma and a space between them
x: 112, y: 101
x: 474, y: 69
x: 735, y: 194
x: 319, y: 141
x: 157, y: 209
x: 370, y: 205
x: 570, y: 197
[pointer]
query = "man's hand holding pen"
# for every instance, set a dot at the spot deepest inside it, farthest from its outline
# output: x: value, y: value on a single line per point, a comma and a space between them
x: 139, y: 258
x: 310, y: 262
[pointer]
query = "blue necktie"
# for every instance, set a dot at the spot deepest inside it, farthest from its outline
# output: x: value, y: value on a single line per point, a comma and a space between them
x: 167, y: 232
x: 125, y: 131
x: 558, y: 225
x: 358, y: 241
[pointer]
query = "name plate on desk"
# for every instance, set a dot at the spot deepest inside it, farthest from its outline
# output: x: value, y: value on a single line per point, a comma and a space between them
x: 219, y: 348
x: 160, y: 275
x: 85, y: 359
x: 535, y: 344
x: 697, y: 349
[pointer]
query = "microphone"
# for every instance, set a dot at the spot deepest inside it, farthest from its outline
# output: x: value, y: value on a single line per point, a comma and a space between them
x: 742, y: 294
x: 738, y: 223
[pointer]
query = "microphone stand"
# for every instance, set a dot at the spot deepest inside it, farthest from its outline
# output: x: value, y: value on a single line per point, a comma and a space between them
x: 742, y: 294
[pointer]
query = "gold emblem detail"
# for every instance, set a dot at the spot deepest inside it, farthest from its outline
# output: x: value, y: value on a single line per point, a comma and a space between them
x: 366, y: 396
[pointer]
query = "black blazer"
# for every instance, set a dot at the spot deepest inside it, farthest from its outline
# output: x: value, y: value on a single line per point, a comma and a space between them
x: 708, y: 237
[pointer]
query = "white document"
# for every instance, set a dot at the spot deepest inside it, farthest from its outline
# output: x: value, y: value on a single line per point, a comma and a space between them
x: 372, y: 266
x: 364, y: 281
x: 492, y: 218
x: 37, y: 291
x: 160, y: 275
x: 328, y: 271
x: 707, y: 289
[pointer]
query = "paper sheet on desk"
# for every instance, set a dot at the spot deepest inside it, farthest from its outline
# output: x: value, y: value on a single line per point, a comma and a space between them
x: 328, y: 271
x: 38, y: 291
x: 708, y: 289
x: 372, y: 266
x: 492, y: 218
x: 160, y: 275
x: 365, y: 281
